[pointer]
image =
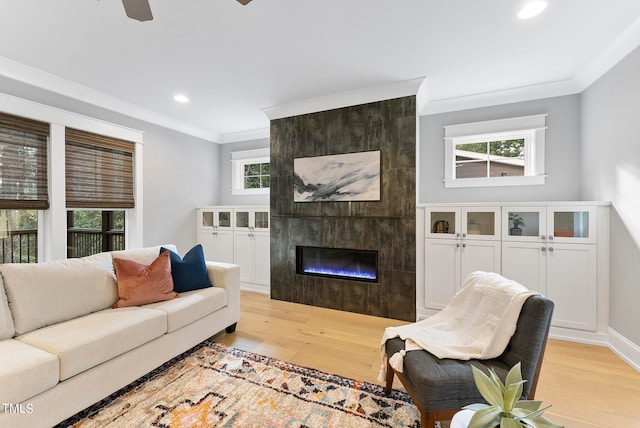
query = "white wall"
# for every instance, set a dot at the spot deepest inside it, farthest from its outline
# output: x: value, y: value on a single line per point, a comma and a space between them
x: 179, y: 171
x: 226, y: 198
x: 611, y: 171
x: 561, y: 153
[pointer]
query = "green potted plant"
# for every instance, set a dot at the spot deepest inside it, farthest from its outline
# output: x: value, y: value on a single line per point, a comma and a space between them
x: 516, y: 221
x: 504, y: 409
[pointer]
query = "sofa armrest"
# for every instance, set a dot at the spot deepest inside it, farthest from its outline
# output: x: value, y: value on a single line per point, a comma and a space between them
x: 227, y: 276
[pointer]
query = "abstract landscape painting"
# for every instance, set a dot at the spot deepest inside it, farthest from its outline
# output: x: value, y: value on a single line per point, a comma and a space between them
x: 345, y: 177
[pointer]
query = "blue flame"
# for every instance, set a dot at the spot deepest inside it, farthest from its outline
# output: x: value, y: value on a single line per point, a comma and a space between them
x: 340, y: 272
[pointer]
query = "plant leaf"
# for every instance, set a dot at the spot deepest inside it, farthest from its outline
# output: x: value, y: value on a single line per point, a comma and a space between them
x: 512, y: 394
x: 509, y: 423
x: 536, y: 414
x: 541, y: 422
x: 530, y: 405
x: 496, y: 380
x: 487, y: 387
x: 475, y: 406
x: 514, y: 375
x: 486, y: 418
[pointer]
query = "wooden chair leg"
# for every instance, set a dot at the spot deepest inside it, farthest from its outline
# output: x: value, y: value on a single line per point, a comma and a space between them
x: 427, y: 419
x: 389, y: 383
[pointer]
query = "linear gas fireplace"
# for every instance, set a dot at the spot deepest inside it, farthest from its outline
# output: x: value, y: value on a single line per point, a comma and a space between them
x: 356, y: 265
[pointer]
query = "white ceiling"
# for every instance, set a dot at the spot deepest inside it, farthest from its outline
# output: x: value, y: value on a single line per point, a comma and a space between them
x: 233, y: 61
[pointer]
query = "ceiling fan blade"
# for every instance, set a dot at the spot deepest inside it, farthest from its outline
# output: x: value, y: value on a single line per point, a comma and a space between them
x: 244, y: 2
x: 138, y: 9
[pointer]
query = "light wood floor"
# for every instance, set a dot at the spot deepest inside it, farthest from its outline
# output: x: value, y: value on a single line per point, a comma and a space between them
x: 587, y: 386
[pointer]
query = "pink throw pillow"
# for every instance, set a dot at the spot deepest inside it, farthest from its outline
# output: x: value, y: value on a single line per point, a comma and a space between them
x: 139, y: 284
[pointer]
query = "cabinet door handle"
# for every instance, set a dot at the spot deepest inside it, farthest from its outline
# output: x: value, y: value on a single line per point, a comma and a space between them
x: 543, y: 237
x: 458, y: 245
x: 551, y: 249
x: 543, y: 249
x: 464, y: 245
x: 464, y: 235
x: 550, y: 237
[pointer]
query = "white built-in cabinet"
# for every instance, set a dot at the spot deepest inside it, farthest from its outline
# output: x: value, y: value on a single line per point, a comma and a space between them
x: 558, y: 249
x: 459, y: 240
x: 555, y: 253
x: 215, y: 233
x: 240, y: 235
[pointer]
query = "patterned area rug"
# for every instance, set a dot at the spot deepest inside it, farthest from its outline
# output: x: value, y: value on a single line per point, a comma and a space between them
x: 215, y: 386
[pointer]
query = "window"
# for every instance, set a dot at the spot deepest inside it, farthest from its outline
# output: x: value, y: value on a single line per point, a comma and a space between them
x: 23, y: 186
x: 93, y: 231
x: 99, y: 171
x: 99, y: 174
x: 506, y: 152
x: 18, y: 236
x: 256, y: 175
x: 250, y: 172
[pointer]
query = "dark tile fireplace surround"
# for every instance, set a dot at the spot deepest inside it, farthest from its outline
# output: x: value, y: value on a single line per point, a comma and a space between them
x: 385, y: 227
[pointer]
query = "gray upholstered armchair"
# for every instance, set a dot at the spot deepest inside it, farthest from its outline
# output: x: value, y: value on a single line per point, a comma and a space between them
x: 440, y: 387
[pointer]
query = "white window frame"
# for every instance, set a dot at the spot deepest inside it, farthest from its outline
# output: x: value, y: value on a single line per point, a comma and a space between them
x: 52, y: 229
x: 531, y: 128
x: 238, y: 162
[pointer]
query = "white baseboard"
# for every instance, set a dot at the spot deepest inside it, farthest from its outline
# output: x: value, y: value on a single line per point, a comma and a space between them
x: 624, y: 348
x: 599, y: 339
x: 256, y: 288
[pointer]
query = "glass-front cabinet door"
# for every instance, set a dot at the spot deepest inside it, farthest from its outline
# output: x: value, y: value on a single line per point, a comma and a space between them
x: 574, y: 224
x: 482, y: 223
x: 223, y: 218
x: 242, y: 219
x: 215, y: 218
x: 466, y: 222
x: 524, y: 224
x: 251, y: 218
x: 442, y: 222
x: 261, y: 220
x: 558, y: 223
x: 206, y: 219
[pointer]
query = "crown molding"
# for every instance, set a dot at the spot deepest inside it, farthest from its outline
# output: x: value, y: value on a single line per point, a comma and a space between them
x: 253, y: 134
x: 507, y: 96
x: 50, y: 82
x: 345, y: 99
x: 616, y: 51
x: 44, y: 113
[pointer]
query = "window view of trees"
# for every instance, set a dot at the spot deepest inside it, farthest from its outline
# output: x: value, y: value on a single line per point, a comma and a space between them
x: 18, y: 236
x: 92, y: 219
x: 490, y: 159
x: 256, y: 176
x: 94, y: 231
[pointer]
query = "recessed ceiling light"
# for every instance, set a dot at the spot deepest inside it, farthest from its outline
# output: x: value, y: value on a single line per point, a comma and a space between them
x: 181, y: 98
x: 532, y: 8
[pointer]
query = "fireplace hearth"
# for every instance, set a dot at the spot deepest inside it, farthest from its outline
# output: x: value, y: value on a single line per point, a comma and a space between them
x: 341, y: 263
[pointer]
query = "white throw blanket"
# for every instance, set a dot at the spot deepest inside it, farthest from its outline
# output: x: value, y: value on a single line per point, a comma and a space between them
x: 476, y: 324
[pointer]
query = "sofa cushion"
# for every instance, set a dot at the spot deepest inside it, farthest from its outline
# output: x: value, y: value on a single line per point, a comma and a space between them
x: 188, y: 273
x: 41, y: 294
x: 87, y: 341
x: 25, y: 371
x: 6, y: 321
x: 191, y: 306
x: 139, y: 284
x: 142, y: 255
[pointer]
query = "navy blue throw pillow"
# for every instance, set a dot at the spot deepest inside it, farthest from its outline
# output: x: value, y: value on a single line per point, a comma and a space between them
x: 190, y: 272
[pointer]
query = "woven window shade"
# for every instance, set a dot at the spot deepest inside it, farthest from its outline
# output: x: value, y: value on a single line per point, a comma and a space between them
x: 99, y: 171
x: 23, y: 163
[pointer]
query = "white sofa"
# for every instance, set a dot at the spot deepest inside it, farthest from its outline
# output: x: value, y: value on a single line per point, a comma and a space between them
x: 62, y: 347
